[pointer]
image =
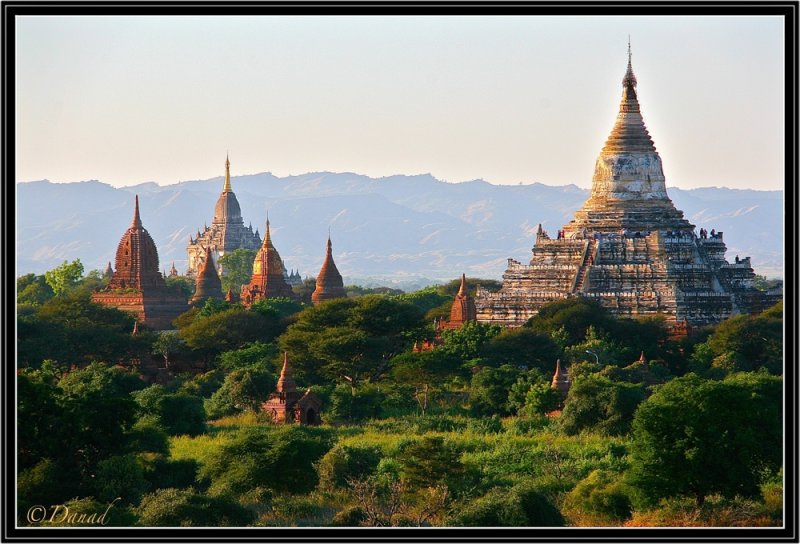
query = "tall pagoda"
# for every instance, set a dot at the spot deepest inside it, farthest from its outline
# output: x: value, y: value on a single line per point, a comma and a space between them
x: 329, y: 282
x: 628, y: 247
x: 227, y: 231
x: 268, y: 279
x: 136, y: 285
x: 463, y: 308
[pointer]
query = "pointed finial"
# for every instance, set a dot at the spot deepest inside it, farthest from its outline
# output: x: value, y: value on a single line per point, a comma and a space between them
x: 629, y: 81
x: 227, y: 187
x: 642, y: 358
x: 137, y: 222
x: 462, y: 290
x: 135, y: 328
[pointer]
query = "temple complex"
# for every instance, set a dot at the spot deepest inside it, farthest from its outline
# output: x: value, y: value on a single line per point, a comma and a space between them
x: 136, y: 285
x: 288, y: 405
x: 268, y: 279
x: 628, y: 247
x: 207, y: 284
x: 226, y: 233
x: 329, y: 281
x: 463, y: 308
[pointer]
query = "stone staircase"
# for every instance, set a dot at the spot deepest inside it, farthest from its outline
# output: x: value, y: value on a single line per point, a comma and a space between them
x: 583, y: 270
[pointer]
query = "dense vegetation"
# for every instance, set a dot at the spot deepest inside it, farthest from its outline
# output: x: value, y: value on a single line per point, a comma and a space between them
x: 467, y: 434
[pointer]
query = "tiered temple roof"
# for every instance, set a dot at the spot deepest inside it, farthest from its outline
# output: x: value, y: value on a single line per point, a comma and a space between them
x: 268, y: 279
x: 329, y: 281
x: 628, y: 247
x: 227, y: 231
x: 288, y: 405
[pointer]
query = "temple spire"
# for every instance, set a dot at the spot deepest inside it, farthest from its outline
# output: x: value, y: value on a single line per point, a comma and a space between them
x: 137, y: 221
x: 227, y: 188
x: 629, y: 81
x: 286, y: 380
x: 462, y: 290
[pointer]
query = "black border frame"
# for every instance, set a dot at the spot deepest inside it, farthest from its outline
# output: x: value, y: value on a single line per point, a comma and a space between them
x: 16, y: 8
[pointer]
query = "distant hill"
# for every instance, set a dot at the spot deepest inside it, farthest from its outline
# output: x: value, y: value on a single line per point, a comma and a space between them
x: 405, y: 230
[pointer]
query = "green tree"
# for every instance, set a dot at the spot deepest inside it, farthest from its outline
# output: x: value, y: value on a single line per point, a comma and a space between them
x: 350, y: 340
x: 228, y: 330
x: 177, y: 413
x: 430, y: 461
x: 490, y: 388
x: 596, y: 403
x: 468, y: 341
x: 237, y: 267
x: 64, y: 276
x: 33, y: 289
x: 281, y: 459
x: 243, y: 389
x: 184, y: 283
x: 744, y: 343
x: 166, y: 344
x: 522, y: 347
x: 694, y: 437
x: 347, y: 462
x: 521, y: 506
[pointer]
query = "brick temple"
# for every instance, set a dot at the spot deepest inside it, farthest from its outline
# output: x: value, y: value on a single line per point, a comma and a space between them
x: 136, y: 285
x: 269, y: 275
x: 628, y: 247
x: 329, y: 281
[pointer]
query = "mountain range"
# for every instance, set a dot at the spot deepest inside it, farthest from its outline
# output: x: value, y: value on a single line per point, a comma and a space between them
x: 405, y: 231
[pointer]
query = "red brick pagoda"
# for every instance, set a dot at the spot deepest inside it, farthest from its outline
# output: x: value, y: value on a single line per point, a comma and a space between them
x: 329, y: 281
x: 288, y: 405
x: 136, y: 285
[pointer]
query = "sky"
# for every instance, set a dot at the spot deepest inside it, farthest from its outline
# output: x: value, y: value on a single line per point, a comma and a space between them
x: 518, y: 99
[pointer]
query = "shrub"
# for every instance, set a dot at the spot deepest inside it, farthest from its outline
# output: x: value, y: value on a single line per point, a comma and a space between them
x: 352, y: 516
x: 522, y: 506
x: 121, y: 476
x: 599, y: 499
x: 347, y: 462
x: 187, y: 508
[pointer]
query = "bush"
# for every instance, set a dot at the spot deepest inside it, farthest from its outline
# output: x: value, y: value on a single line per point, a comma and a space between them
x: 347, y: 462
x: 352, y: 516
x: 187, y: 508
x: 429, y: 462
x: 165, y: 473
x: 599, y: 499
x: 121, y: 476
x: 598, y: 404
x: 522, y: 506
x: 354, y: 406
x: 280, y: 458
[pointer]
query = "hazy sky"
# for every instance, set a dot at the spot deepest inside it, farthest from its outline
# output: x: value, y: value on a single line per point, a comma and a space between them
x: 507, y: 99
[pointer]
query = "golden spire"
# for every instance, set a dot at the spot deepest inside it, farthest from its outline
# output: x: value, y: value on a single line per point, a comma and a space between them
x: 227, y: 187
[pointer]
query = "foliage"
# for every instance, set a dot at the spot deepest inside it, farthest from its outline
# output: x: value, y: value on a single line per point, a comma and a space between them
x: 347, y: 462
x: 185, y: 284
x: 489, y: 390
x: 243, y: 389
x: 214, y: 306
x: 176, y: 413
x: 267, y: 457
x: 696, y: 437
x: 203, y: 385
x: 429, y: 462
x: 277, y: 308
x: 71, y: 329
x: 521, y: 506
x: 596, y: 403
x: 121, y: 476
x: 64, y: 276
x: 523, y: 348
x: 187, y: 508
x: 353, y: 405
x: 467, y: 341
x: 540, y: 399
x: 599, y: 499
x: 33, y: 289
x: 227, y: 330
x: 351, y: 340
x: 744, y: 343
x: 168, y: 343
x: 237, y: 268
x: 425, y: 299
